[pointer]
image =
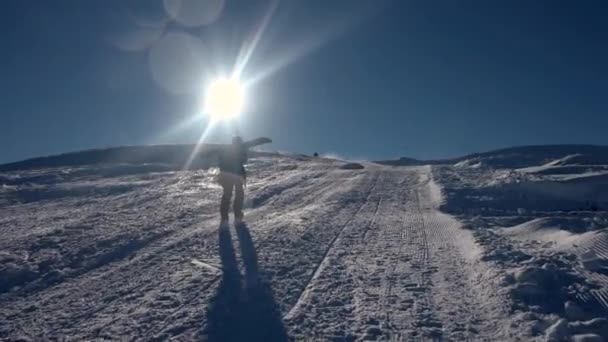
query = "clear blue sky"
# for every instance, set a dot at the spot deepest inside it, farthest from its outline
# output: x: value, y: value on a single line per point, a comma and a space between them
x: 363, y: 79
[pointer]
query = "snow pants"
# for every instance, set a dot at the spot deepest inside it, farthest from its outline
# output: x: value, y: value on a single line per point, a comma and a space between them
x: 230, y: 182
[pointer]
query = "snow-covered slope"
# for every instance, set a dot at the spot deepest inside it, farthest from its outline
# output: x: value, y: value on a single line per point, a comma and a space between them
x: 129, y: 249
x: 541, y: 218
x: 520, y: 157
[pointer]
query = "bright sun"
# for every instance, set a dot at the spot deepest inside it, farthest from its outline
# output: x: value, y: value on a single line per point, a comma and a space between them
x: 224, y: 99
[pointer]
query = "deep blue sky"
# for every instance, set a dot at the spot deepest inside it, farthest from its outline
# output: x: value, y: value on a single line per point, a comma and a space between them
x: 372, y: 79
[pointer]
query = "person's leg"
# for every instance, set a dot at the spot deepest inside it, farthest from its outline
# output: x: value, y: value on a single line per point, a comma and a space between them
x: 239, y: 197
x: 226, y: 196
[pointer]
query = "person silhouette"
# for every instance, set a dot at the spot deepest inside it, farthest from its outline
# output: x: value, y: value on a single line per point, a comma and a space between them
x: 232, y: 177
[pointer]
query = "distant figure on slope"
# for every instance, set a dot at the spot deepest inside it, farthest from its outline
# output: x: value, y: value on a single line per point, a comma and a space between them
x: 232, y: 176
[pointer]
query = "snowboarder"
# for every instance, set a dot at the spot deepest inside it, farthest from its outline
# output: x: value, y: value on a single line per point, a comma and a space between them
x: 233, y: 177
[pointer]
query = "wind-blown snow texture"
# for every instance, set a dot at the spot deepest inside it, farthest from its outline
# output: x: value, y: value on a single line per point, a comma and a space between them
x: 469, y: 251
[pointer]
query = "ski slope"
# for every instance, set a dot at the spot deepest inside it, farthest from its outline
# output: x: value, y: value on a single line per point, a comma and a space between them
x: 135, y: 252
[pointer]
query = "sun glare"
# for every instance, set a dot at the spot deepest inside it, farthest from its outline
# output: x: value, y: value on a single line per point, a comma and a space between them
x: 224, y: 99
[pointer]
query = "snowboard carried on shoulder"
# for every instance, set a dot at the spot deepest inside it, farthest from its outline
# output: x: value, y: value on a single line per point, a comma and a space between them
x: 218, y: 148
x: 257, y: 142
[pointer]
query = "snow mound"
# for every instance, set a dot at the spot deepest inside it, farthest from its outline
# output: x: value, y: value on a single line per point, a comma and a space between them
x: 541, y: 215
x: 502, y: 191
x: 561, y: 232
x: 469, y: 163
x: 548, y: 286
x: 596, y: 326
x: 594, y: 330
x: 352, y: 166
x: 519, y: 157
x: 593, y: 262
x: 528, y: 156
x: 14, y: 271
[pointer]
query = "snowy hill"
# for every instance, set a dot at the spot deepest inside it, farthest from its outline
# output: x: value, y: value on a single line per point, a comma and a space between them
x: 172, y: 156
x: 520, y: 156
x: 525, y: 156
x: 117, y: 244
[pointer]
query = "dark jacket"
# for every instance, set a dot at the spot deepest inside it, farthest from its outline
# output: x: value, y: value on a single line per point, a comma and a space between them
x: 233, y: 159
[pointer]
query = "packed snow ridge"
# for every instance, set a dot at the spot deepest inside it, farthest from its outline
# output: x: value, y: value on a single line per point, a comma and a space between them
x: 123, y: 244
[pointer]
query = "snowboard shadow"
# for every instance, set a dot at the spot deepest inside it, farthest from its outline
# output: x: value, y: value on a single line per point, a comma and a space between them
x: 242, y: 311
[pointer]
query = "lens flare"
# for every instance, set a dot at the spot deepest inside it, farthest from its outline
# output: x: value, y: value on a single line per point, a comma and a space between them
x: 224, y: 99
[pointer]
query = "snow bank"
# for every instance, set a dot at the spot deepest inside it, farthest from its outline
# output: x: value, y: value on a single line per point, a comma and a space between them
x: 520, y: 157
x: 541, y: 215
x: 352, y: 166
x: 504, y: 192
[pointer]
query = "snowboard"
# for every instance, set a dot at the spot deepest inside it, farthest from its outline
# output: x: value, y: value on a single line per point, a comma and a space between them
x: 215, y: 148
x: 257, y: 142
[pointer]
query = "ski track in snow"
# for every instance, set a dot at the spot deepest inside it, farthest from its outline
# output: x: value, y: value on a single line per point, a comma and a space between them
x: 398, y: 270
x: 599, y: 244
x: 348, y: 255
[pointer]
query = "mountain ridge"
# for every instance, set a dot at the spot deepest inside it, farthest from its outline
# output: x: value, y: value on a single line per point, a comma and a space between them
x: 178, y: 154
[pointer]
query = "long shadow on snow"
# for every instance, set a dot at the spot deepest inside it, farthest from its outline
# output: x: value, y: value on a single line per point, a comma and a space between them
x: 237, y: 312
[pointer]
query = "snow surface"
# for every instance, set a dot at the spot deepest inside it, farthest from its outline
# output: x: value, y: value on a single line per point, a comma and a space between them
x: 480, y: 250
x: 545, y: 227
